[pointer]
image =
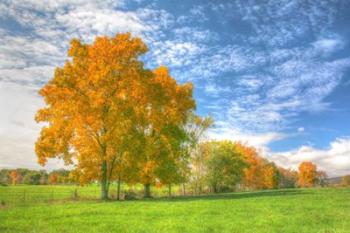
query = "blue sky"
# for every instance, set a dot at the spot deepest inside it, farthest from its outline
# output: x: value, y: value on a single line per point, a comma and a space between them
x: 274, y: 74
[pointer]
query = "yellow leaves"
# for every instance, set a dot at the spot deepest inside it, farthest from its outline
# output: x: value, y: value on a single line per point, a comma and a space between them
x: 77, y: 49
x: 269, y: 173
x: 178, y: 97
x: 260, y: 174
x: 103, y: 104
x: 307, y: 174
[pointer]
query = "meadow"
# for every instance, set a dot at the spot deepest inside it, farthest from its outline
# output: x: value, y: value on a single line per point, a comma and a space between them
x: 325, y: 210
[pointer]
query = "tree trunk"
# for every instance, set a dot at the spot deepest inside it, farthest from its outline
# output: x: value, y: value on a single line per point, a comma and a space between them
x: 118, y: 188
x: 215, y: 188
x: 147, y: 193
x: 169, y: 190
x: 196, y: 186
x: 183, y: 189
x: 104, y: 181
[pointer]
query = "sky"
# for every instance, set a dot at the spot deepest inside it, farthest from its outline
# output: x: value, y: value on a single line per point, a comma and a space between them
x: 274, y: 74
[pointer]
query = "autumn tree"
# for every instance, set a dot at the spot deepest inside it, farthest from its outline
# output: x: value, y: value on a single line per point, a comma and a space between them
x: 307, y: 174
x: 270, y: 176
x: 14, y: 177
x: 253, y: 172
x: 224, y: 166
x: 345, y: 181
x: 109, y: 116
x: 164, y: 133
x: 288, y: 178
x: 53, y: 179
x: 260, y: 173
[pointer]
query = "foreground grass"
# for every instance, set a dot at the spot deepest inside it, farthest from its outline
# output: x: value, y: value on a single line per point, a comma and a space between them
x: 282, y: 211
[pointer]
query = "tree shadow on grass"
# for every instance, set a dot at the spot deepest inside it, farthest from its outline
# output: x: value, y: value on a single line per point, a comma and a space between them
x: 238, y: 195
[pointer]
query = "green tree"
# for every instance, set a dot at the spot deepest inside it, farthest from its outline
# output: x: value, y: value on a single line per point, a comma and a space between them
x: 32, y: 177
x: 224, y: 166
x: 196, y: 129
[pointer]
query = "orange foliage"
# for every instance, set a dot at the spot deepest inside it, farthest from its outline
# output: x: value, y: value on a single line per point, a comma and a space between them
x: 260, y: 174
x: 107, y: 114
x: 307, y: 174
x: 53, y: 179
x: 270, y: 176
x: 14, y: 176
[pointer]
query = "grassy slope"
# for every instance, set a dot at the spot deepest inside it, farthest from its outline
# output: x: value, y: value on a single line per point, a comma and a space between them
x: 284, y: 211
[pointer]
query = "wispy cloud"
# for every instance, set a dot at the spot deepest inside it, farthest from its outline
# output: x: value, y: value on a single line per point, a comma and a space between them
x: 224, y: 131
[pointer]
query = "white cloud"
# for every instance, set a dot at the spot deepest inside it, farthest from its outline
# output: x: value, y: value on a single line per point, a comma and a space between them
x: 30, y: 76
x: 18, y: 130
x: 281, y: 22
x: 297, y: 83
x: 95, y: 22
x: 301, y: 129
x: 214, y: 90
x: 175, y: 54
x: 329, y: 45
x: 335, y: 160
x: 223, y: 131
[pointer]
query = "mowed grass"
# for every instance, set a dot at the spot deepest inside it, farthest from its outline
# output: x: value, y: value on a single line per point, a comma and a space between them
x: 281, y: 211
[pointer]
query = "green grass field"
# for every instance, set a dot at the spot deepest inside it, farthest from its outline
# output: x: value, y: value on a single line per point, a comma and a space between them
x: 282, y: 211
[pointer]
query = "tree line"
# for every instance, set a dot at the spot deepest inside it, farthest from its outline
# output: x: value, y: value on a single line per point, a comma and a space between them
x: 35, y: 177
x: 116, y: 121
x: 215, y: 166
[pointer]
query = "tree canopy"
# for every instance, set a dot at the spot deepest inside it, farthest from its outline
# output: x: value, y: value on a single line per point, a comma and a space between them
x: 109, y: 116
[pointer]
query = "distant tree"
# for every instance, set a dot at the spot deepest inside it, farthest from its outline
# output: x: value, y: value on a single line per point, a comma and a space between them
x: 53, y: 179
x: 224, y: 166
x: 288, y: 178
x: 260, y: 173
x: 345, y: 181
x: 321, y: 178
x: 32, y: 177
x: 14, y: 177
x: 5, y: 176
x: 253, y: 177
x: 43, y: 179
x: 270, y: 176
x: 307, y: 174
